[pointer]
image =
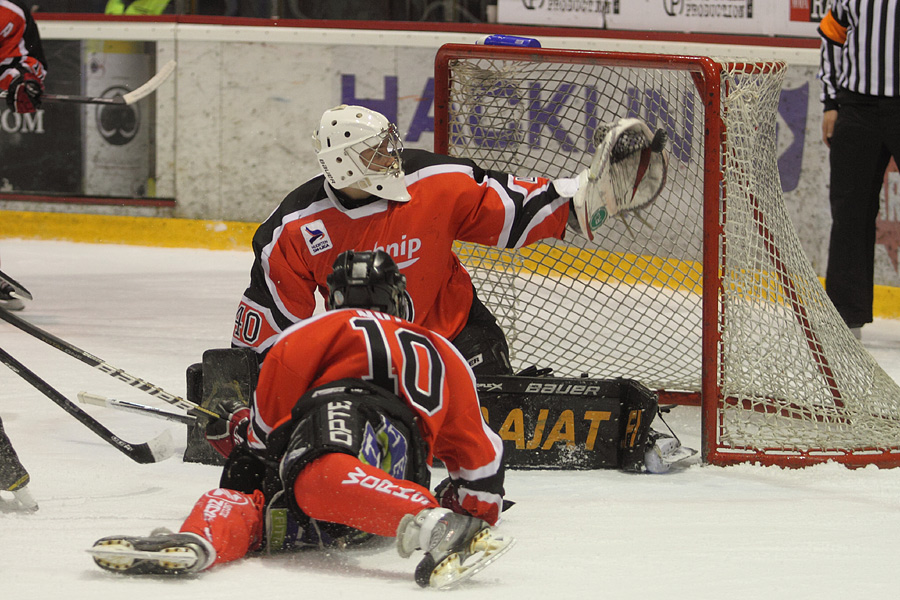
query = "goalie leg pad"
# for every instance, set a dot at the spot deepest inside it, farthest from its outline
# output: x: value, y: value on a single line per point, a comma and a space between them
x: 569, y: 423
x: 483, y: 343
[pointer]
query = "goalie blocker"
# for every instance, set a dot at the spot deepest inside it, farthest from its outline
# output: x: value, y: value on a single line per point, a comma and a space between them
x: 226, y: 374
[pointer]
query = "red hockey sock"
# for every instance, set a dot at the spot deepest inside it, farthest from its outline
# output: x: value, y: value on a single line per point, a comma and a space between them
x: 230, y: 520
x: 339, y: 488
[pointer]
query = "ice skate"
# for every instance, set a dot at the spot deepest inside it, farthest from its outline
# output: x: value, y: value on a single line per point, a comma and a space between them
x: 664, y: 450
x: 161, y: 553
x: 22, y: 499
x: 14, y: 478
x: 456, y: 546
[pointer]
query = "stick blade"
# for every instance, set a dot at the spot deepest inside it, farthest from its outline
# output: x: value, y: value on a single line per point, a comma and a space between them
x: 151, y: 85
x: 162, y: 446
x: 156, y: 450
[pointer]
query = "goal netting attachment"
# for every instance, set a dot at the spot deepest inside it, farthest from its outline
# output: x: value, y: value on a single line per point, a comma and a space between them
x: 709, y: 298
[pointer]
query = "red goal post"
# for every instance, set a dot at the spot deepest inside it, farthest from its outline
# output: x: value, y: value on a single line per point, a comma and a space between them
x: 708, y: 298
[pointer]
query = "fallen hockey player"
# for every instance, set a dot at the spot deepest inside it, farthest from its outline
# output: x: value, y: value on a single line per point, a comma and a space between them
x: 350, y: 409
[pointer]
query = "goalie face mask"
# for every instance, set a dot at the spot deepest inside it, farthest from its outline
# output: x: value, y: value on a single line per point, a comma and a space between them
x: 369, y: 280
x: 359, y: 147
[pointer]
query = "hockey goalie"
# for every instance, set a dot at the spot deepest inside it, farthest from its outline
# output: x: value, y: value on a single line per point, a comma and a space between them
x: 372, y: 193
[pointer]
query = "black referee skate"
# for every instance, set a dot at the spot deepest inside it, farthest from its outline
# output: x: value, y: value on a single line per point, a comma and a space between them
x: 22, y: 498
x: 161, y: 553
x: 456, y: 546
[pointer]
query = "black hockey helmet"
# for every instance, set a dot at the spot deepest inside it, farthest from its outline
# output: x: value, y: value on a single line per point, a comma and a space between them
x: 368, y: 280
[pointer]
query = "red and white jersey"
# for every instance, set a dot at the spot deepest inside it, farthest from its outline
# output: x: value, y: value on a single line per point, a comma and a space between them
x: 420, y: 367
x: 451, y: 199
x: 20, y: 43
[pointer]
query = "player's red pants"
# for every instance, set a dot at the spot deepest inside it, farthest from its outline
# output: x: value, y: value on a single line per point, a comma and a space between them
x: 334, y: 487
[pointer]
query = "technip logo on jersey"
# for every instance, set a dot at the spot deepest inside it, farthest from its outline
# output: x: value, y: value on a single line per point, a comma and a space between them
x: 316, y: 236
x: 405, y: 249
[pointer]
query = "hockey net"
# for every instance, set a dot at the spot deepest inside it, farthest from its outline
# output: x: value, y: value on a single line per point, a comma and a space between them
x: 709, y: 298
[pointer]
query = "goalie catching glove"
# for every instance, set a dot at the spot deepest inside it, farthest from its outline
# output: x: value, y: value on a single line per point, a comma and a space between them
x: 627, y: 173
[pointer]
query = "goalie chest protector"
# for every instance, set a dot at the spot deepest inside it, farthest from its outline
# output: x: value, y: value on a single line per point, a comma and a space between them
x: 559, y: 423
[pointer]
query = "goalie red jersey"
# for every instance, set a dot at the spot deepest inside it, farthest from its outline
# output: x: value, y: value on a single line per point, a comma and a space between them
x: 451, y: 199
x: 421, y: 368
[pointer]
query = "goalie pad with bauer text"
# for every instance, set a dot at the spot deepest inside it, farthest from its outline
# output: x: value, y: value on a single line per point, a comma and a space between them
x: 569, y: 423
x: 627, y: 172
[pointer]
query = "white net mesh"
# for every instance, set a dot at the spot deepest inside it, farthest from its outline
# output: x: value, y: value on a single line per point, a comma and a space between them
x: 790, y: 378
x: 573, y: 305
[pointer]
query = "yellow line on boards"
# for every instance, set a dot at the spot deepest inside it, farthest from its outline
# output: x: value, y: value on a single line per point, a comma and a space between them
x: 135, y: 231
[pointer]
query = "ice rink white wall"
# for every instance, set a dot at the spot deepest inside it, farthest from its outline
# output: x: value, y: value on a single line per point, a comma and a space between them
x: 233, y: 123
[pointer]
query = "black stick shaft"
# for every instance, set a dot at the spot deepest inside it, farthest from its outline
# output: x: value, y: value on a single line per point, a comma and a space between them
x: 141, y: 453
x: 98, y: 363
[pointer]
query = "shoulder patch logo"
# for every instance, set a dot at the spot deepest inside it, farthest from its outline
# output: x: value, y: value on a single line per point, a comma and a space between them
x: 316, y: 236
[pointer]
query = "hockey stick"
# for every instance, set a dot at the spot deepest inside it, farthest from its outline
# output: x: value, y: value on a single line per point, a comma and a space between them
x: 17, y: 287
x: 119, y: 100
x: 142, y: 409
x: 102, y: 365
x: 159, y: 448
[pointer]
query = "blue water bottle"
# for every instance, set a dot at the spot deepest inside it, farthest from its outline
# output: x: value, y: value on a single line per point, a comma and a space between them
x: 509, y: 40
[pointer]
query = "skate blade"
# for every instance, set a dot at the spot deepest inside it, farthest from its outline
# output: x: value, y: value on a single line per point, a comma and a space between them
x: 487, y: 549
x: 21, y: 500
x: 679, y: 455
x: 122, y: 557
x: 25, y: 499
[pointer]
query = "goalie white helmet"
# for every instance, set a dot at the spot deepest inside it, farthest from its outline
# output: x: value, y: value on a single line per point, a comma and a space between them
x: 358, y: 147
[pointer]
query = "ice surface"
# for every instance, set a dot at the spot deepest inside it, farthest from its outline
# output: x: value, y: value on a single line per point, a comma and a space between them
x: 701, y: 532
